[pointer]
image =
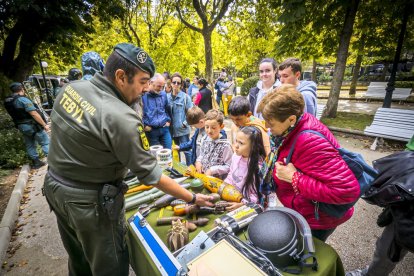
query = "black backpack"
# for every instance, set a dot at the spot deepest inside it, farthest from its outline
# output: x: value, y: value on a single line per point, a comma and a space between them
x: 18, y: 115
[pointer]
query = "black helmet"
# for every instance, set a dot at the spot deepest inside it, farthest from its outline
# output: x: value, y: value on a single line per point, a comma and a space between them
x: 74, y: 74
x: 284, y: 236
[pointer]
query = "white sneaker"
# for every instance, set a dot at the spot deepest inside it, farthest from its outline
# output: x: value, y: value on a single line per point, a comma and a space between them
x: 357, y: 272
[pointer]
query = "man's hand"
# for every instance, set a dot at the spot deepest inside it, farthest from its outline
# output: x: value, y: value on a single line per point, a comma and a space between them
x: 46, y: 128
x: 167, y: 124
x: 147, y: 128
x: 175, y: 147
x: 208, y: 172
x: 234, y: 206
x: 204, y: 200
x: 285, y: 173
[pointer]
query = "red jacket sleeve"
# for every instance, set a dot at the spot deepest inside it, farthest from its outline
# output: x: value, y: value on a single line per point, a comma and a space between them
x: 197, y: 99
x: 326, y: 177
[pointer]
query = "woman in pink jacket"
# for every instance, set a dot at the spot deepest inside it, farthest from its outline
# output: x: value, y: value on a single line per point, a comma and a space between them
x: 317, y: 173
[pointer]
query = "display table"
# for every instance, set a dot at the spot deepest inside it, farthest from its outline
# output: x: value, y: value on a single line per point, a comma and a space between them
x: 328, y: 260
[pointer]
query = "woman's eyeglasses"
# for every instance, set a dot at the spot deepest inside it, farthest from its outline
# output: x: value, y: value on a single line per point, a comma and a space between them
x: 176, y: 82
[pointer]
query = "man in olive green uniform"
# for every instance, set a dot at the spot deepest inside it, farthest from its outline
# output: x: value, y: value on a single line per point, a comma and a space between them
x: 96, y: 137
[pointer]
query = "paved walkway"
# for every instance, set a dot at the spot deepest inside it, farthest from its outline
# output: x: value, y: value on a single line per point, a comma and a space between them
x: 365, y: 107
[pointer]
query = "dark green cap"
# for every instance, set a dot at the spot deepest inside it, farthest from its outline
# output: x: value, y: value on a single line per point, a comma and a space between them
x: 15, y: 86
x: 137, y: 56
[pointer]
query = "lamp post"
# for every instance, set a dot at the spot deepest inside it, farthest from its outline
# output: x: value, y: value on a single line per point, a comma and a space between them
x: 391, y: 83
x: 43, y: 64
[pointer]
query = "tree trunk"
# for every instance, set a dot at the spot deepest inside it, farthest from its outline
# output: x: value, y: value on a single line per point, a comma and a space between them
x: 355, y: 75
x: 357, y: 68
x: 9, y: 49
x: 208, y: 54
x: 24, y: 62
x: 390, y: 85
x: 385, y: 71
x: 342, y: 55
x: 314, y: 70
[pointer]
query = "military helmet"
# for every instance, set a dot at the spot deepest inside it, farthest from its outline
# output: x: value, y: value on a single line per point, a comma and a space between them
x: 74, y: 74
x: 283, y: 236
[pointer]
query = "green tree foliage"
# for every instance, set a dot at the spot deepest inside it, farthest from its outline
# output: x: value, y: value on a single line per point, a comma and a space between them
x: 25, y: 25
x: 248, y: 35
x: 12, y: 148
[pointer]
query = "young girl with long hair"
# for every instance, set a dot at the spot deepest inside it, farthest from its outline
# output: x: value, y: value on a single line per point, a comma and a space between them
x: 249, y: 153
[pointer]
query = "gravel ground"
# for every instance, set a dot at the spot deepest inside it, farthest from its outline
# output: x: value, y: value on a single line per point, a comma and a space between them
x: 36, y: 248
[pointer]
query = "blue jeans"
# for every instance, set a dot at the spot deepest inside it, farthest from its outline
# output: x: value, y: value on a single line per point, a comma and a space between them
x: 31, y: 135
x: 182, y: 139
x: 218, y: 99
x: 160, y: 136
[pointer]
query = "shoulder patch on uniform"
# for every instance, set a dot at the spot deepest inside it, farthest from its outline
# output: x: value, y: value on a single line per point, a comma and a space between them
x: 144, y: 140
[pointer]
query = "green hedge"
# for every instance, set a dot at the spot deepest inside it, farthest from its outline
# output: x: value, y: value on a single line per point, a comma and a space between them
x: 248, y: 84
x: 12, y: 148
x: 239, y: 81
x: 404, y: 84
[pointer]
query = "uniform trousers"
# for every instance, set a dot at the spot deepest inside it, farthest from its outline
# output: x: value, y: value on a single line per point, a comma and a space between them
x: 31, y: 136
x: 95, y: 244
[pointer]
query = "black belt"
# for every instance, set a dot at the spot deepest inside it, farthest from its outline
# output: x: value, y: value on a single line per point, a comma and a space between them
x: 73, y: 183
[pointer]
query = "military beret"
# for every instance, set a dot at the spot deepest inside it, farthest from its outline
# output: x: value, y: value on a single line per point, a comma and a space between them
x: 137, y: 56
x: 15, y: 86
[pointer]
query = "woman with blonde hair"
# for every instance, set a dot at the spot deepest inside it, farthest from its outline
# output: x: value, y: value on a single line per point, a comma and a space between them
x: 316, y: 172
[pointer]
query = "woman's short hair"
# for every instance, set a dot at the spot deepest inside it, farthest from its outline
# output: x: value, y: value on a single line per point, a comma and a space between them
x: 281, y: 103
x: 116, y: 61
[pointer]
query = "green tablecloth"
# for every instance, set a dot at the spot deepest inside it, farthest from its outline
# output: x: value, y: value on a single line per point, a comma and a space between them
x: 328, y: 259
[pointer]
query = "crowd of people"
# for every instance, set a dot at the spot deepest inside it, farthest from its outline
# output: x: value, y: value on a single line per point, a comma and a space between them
x: 93, y: 146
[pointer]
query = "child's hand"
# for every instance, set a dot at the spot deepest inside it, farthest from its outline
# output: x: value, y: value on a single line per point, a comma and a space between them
x: 175, y: 147
x: 198, y: 167
x: 234, y: 206
x: 285, y: 173
x: 208, y: 172
x: 147, y: 128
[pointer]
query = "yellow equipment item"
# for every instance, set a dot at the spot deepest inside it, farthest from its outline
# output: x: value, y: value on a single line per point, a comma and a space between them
x: 215, y: 185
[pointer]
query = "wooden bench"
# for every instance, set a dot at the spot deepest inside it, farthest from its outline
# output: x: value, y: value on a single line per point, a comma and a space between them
x: 319, y: 111
x: 376, y: 90
x: 391, y: 123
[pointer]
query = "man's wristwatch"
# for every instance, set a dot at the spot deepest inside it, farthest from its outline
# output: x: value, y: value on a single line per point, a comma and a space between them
x: 193, y: 200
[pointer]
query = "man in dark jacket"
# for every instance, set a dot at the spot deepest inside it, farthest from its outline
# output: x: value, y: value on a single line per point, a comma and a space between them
x: 394, y: 190
x: 156, y: 113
